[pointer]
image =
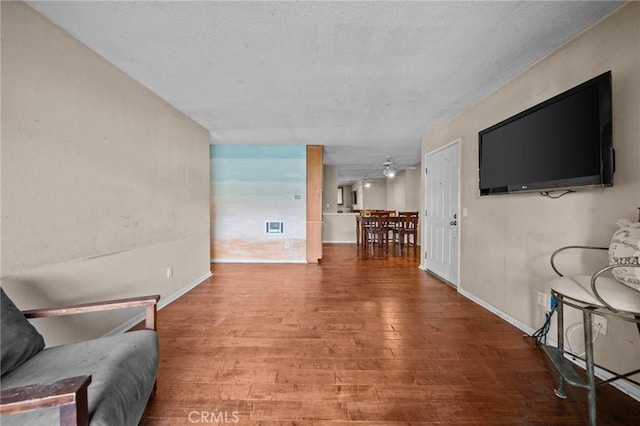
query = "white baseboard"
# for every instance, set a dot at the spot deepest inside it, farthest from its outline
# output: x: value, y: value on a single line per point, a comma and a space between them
x: 508, y: 318
x: 256, y: 261
x: 161, y: 304
x: 340, y: 242
x: 623, y: 386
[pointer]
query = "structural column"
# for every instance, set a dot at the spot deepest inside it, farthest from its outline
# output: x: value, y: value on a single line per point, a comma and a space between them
x: 314, y: 203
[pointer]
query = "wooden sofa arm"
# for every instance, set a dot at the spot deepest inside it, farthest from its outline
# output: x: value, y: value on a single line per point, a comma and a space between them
x: 68, y: 394
x: 150, y: 302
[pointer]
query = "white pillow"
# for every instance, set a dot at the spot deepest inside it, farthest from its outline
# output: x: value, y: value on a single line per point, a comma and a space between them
x: 625, y: 250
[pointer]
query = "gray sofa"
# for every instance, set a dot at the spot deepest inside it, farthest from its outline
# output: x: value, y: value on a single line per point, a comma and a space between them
x: 104, y: 381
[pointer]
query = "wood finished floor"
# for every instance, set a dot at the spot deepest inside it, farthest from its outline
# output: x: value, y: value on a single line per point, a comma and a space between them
x: 362, y: 338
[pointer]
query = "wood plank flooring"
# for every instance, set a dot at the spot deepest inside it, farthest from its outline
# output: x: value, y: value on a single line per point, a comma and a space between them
x: 362, y: 337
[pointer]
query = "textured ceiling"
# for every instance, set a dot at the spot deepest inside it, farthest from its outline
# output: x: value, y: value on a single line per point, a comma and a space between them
x: 365, y: 79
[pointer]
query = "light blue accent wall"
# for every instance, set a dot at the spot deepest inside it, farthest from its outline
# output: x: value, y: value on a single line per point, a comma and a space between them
x: 253, y: 184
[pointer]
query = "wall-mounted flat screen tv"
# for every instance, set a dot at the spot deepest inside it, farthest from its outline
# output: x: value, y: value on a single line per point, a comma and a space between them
x: 562, y: 143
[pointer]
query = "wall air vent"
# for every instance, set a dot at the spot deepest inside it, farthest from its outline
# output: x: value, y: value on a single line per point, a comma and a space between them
x: 275, y: 227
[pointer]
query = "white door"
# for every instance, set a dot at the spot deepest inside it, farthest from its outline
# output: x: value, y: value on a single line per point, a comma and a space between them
x: 441, y: 215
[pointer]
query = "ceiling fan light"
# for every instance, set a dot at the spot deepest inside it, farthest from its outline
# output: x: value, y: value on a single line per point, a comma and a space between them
x: 389, y: 171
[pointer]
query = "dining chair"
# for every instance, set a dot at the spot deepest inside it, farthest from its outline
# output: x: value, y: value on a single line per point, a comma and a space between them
x: 379, y: 230
x: 366, y: 224
x: 407, y: 213
x: 406, y: 233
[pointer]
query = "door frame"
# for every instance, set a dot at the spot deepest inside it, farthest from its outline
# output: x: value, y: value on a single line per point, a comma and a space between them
x: 423, y: 264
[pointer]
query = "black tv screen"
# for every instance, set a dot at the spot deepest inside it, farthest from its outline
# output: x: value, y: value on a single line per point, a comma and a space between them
x: 562, y: 143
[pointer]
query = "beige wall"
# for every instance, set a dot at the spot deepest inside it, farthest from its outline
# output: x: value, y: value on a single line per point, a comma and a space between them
x: 403, y: 191
x: 339, y: 227
x: 506, y: 240
x: 373, y: 197
x: 104, y: 185
x: 396, y: 192
x: 329, y: 189
x: 413, y: 190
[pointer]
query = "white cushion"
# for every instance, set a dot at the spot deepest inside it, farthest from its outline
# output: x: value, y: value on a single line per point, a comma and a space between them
x: 625, y: 250
x: 616, y: 294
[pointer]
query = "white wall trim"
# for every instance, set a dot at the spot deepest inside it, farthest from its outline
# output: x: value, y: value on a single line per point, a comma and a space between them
x: 340, y: 242
x: 508, y: 318
x: 445, y: 146
x: 161, y: 304
x: 423, y: 215
x: 623, y: 386
x: 257, y: 261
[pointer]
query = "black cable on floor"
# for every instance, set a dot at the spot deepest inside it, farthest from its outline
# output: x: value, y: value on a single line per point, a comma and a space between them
x: 541, y: 334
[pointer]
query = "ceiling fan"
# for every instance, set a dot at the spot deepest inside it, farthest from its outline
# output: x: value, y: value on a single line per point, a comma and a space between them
x: 389, y: 169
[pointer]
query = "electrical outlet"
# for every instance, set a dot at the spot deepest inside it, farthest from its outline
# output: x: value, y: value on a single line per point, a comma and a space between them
x: 287, y: 244
x: 600, y: 324
x: 542, y: 299
x: 169, y: 271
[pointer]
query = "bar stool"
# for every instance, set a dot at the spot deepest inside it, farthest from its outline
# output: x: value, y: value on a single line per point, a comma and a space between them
x: 592, y: 295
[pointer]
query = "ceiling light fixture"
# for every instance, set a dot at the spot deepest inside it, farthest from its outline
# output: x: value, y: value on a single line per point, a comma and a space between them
x: 389, y: 170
